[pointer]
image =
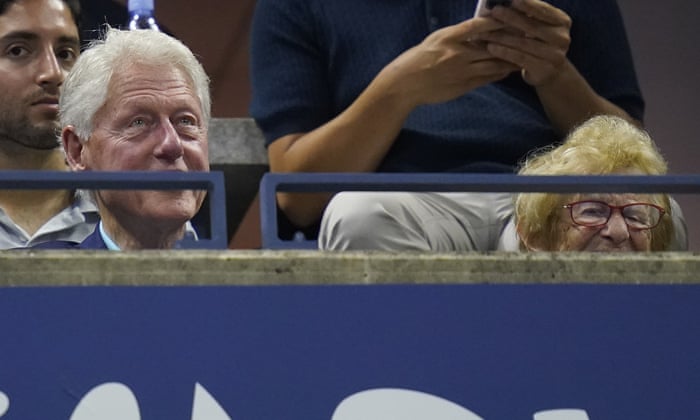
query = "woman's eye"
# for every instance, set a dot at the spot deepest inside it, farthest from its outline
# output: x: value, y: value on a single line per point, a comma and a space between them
x: 636, y: 217
x: 593, y: 211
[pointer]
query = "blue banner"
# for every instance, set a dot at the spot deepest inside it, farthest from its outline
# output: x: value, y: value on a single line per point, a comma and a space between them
x: 297, y: 352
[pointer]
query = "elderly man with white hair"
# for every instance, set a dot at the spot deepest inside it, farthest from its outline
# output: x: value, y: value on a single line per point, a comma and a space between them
x: 138, y: 100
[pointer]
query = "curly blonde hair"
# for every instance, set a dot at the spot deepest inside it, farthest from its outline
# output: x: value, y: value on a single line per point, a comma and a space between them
x: 602, y: 145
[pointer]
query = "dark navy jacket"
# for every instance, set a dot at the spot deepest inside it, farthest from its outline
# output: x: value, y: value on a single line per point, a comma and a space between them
x: 93, y: 241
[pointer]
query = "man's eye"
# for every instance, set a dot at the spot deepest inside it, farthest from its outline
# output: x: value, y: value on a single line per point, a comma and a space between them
x: 17, y: 51
x: 137, y: 122
x: 187, y: 121
x: 68, y: 55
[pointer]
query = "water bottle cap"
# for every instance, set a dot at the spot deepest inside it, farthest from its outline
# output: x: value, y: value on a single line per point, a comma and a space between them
x: 140, y: 5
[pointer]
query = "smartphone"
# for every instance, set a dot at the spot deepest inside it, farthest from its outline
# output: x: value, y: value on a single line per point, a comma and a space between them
x: 483, y: 7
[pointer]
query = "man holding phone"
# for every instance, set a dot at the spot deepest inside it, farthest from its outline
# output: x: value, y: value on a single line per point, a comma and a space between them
x: 425, y: 86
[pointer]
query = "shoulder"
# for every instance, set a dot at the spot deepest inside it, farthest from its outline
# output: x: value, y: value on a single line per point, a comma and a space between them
x: 94, y: 241
x: 57, y: 245
x: 285, y: 9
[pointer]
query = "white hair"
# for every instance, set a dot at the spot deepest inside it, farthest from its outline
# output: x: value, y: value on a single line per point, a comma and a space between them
x: 85, y: 89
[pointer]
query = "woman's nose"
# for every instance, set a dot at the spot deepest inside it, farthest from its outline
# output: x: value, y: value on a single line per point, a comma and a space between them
x: 616, y: 228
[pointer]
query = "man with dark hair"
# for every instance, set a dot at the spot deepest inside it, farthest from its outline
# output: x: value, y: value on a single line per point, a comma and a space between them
x: 39, y: 41
x: 73, y: 7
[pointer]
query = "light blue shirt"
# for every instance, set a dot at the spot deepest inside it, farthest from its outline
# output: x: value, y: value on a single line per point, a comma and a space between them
x: 111, y: 245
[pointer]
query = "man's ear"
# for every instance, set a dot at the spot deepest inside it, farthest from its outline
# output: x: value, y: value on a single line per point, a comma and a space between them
x: 74, y: 148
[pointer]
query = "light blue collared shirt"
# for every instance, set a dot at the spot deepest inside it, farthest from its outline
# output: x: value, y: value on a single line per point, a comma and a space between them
x: 111, y: 245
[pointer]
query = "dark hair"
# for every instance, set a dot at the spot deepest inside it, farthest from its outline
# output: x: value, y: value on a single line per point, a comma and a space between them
x: 73, y: 6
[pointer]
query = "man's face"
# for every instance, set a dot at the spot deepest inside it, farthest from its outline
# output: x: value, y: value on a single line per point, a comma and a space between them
x: 38, y: 44
x: 615, y: 235
x: 152, y: 121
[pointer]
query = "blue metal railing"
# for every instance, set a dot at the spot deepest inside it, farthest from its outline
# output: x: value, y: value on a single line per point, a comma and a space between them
x: 272, y: 183
x: 213, y: 182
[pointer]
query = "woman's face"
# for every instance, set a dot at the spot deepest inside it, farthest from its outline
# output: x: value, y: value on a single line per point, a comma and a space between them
x: 615, y: 235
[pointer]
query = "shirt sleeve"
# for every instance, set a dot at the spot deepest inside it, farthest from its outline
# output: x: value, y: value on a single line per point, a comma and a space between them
x: 291, y: 93
x: 601, y: 52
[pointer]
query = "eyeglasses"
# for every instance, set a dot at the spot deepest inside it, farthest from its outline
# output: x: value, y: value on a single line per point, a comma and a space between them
x: 637, y: 216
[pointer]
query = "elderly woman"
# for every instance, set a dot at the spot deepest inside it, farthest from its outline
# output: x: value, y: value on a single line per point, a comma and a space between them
x: 596, y: 222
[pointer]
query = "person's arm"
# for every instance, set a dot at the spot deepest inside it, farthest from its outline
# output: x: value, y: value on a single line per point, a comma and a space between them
x: 538, y: 43
x: 355, y: 141
x: 442, y: 67
x: 569, y: 100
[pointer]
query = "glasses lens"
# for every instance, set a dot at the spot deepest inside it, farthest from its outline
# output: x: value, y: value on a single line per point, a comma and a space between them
x: 641, y: 216
x: 595, y: 213
x: 590, y: 213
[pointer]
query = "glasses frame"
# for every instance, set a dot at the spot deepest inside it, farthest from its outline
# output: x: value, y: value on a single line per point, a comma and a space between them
x: 570, y: 207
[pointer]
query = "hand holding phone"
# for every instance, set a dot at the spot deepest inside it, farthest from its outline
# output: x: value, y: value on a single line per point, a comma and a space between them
x: 483, y: 7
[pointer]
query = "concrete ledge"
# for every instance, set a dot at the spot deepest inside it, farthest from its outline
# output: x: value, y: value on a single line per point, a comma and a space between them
x: 170, y: 268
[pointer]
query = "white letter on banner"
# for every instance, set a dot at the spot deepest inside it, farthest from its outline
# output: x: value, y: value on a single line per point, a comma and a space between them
x: 4, y: 403
x: 399, y: 404
x: 109, y: 401
x: 562, y: 414
x: 205, y: 407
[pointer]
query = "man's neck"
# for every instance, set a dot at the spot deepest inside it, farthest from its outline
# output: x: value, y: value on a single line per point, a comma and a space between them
x: 30, y: 209
x: 17, y: 157
x: 141, y: 234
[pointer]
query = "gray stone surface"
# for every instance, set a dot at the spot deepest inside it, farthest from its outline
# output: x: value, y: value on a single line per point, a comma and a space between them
x: 236, y: 141
x: 53, y: 267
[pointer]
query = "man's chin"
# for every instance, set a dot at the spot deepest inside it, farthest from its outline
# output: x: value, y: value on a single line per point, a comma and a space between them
x: 32, y: 144
x: 169, y: 218
x: 44, y: 146
x: 36, y: 138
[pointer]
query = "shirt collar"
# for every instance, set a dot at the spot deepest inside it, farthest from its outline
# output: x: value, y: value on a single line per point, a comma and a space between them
x: 111, y: 245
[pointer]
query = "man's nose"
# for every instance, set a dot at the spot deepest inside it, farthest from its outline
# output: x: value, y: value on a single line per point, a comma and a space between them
x: 170, y: 145
x: 50, y: 72
x: 616, y: 228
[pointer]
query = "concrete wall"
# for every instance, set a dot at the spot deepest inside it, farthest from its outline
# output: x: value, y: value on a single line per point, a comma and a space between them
x: 171, y: 268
